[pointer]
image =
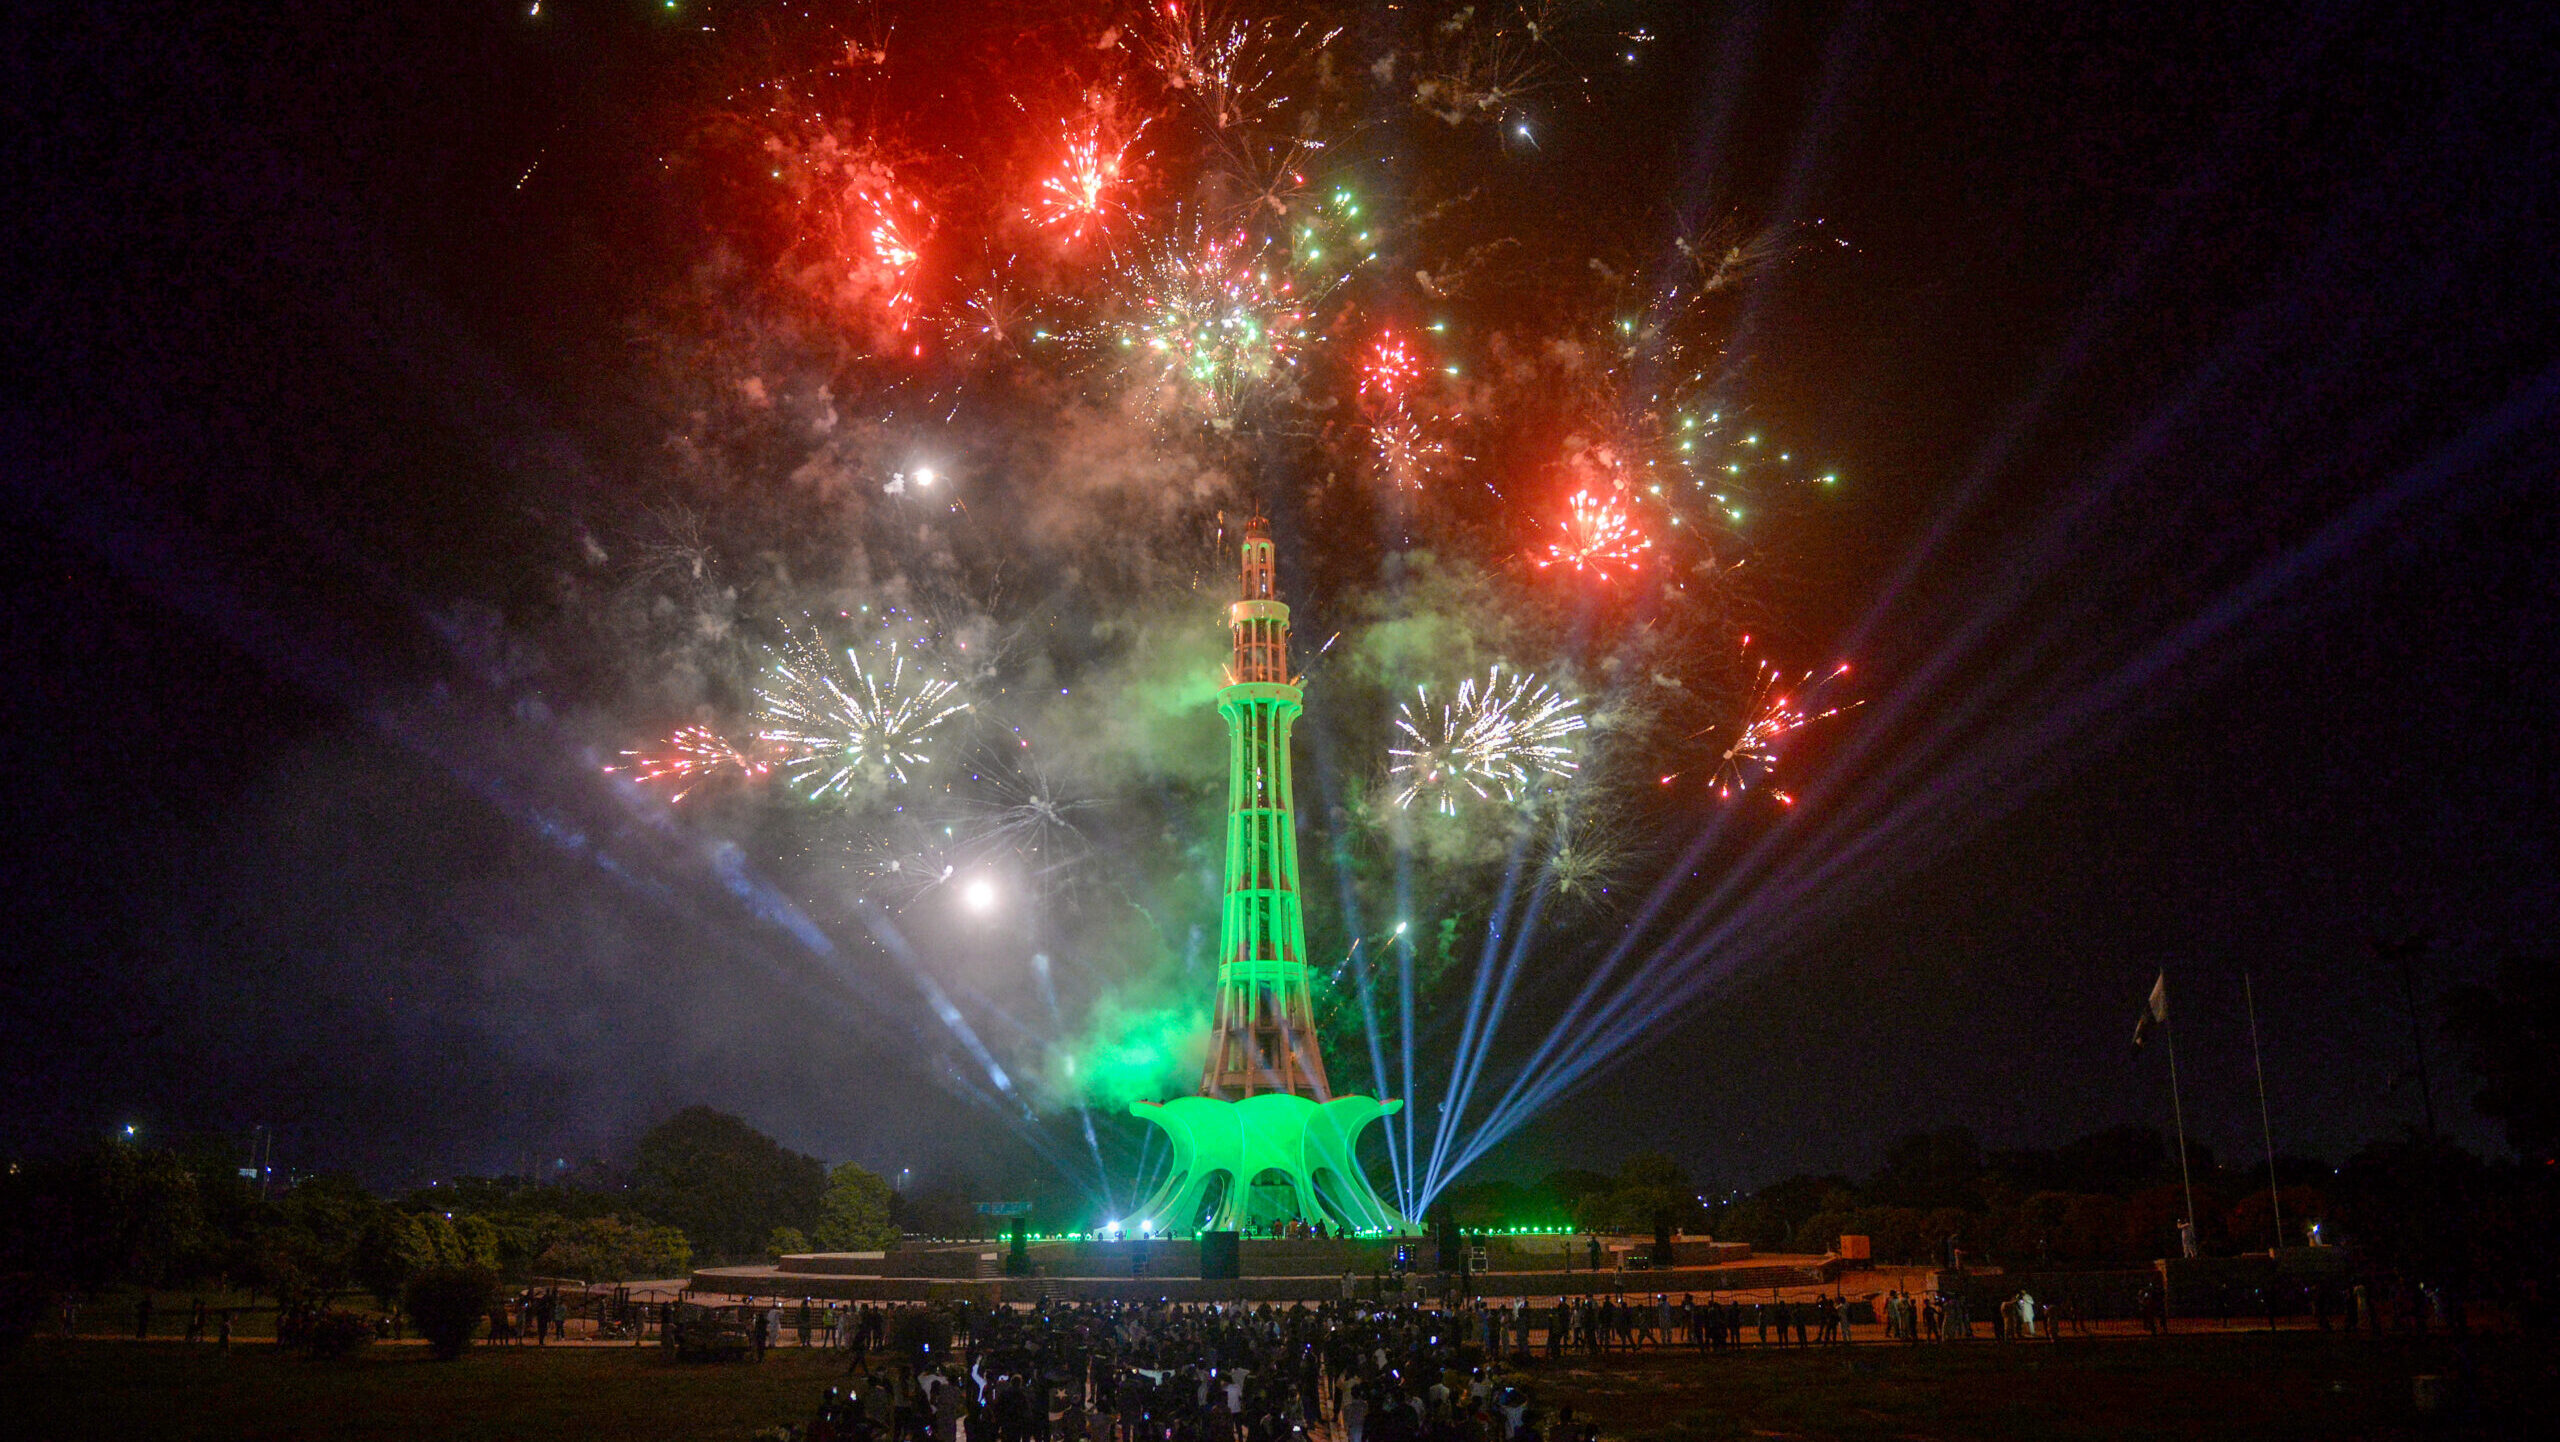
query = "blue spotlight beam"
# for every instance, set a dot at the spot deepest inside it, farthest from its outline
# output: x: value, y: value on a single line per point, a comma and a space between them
x: 1470, y: 1028
x: 1679, y: 977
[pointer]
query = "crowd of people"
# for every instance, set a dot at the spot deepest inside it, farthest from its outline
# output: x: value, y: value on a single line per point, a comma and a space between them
x: 532, y: 1315
x: 1121, y: 1372
x: 1367, y: 1371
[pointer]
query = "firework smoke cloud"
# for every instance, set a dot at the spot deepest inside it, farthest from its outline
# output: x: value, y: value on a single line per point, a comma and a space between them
x: 975, y: 384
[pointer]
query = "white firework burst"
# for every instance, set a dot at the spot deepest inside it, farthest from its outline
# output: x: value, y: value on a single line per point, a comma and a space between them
x: 835, y: 720
x: 1500, y: 736
x: 1407, y: 452
x: 1586, y: 854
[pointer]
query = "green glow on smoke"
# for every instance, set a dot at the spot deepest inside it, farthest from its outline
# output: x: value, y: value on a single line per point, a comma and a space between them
x: 1137, y: 1055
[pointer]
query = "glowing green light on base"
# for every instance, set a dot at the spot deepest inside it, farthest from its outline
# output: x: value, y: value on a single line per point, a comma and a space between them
x: 1276, y: 1156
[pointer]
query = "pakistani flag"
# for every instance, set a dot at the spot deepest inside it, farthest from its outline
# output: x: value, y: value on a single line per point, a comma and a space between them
x: 2155, y: 1010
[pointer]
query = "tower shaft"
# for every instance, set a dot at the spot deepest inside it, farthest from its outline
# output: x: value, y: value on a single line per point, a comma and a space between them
x: 1262, y: 1037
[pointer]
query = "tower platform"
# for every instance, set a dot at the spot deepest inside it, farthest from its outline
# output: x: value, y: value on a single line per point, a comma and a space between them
x: 1273, y: 1271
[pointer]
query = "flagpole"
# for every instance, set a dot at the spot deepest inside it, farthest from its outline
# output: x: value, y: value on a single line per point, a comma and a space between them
x: 2266, y: 1128
x: 2178, y: 1109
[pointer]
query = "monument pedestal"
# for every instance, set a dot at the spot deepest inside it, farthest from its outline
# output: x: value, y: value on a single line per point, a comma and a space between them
x: 1240, y: 1165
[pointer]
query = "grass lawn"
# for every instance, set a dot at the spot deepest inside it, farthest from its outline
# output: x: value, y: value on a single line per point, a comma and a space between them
x: 2242, y: 1385
x: 165, y: 1390
x: 2238, y: 1385
x: 110, y: 1312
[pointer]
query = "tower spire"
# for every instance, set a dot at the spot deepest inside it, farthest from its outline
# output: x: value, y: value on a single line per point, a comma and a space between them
x: 1262, y: 1037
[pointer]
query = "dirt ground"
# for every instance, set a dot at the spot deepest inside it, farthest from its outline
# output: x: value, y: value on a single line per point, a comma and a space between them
x: 2232, y: 1384
x: 2225, y: 1384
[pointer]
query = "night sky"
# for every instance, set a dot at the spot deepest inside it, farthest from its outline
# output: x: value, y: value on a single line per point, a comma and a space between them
x: 2194, y: 374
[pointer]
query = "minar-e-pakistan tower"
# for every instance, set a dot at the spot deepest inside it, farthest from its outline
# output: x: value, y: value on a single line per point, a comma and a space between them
x: 1265, y: 1138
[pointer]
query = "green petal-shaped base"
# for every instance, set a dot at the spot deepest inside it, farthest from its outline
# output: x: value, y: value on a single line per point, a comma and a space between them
x: 1245, y: 1163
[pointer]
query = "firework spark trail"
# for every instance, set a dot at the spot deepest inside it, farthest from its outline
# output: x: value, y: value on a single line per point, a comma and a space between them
x: 691, y: 757
x: 1223, y: 63
x: 1389, y: 370
x: 1481, y: 68
x: 1521, y: 730
x: 1028, y: 820
x: 1221, y: 322
x: 1081, y: 196
x: 1768, y: 719
x: 836, y: 725
x: 1498, y: 737
x: 898, y: 873
x: 1433, y: 764
x: 1407, y: 452
x: 1599, y: 537
x: 1212, y: 317
x: 895, y: 227
x: 1587, y: 849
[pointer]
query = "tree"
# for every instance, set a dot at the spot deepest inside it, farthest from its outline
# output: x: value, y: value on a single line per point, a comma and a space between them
x: 394, y: 1248
x: 447, y: 1304
x: 942, y: 1210
x: 1652, y: 1193
x: 1496, y: 1205
x: 853, y: 1216
x: 724, y: 1184
x: 2121, y: 1160
x: 1931, y: 1169
x: 321, y: 1224
x: 615, y: 1249
x: 2252, y: 1219
x: 2508, y: 1031
x: 1771, y: 1215
x: 111, y: 1213
x: 2063, y: 1229
x: 1584, y: 1195
x: 468, y: 1242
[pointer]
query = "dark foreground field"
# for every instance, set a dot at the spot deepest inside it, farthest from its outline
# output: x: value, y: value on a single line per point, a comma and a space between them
x: 2240, y: 1385
x: 2296, y: 1385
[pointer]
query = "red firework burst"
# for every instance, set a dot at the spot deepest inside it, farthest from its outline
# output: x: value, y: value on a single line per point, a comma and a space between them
x: 1083, y: 193
x: 1599, y: 537
x: 1391, y: 368
x: 692, y: 756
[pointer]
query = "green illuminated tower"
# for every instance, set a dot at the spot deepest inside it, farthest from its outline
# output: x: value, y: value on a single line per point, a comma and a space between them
x: 1265, y: 1138
x: 1263, y: 1037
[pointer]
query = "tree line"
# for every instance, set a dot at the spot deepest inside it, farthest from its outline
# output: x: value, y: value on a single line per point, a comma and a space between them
x: 702, y: 1186
x: 2413, y: 1202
